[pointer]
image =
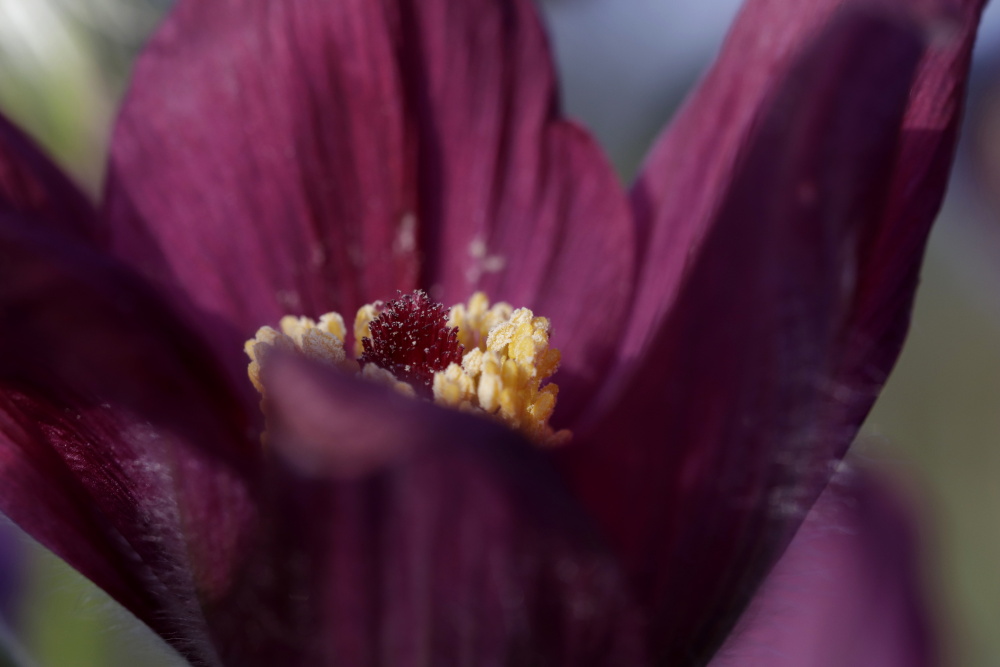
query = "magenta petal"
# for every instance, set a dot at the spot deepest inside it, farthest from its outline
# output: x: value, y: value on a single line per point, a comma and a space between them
x: 459, y: 547
x: 692, y: 164
x: 847, y: 591
x: 518, y: 202
x: 715, y: 447
x: 893, y: 251
x: 94, y: 356
x: 155, y: 522
x: 98, y: 490
x: 32, y: 186
x: 262, y: 158
x: 307, y: 156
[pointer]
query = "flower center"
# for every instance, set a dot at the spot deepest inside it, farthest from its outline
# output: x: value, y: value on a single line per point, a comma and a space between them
x: 474, y: 357
x: 411, y: 339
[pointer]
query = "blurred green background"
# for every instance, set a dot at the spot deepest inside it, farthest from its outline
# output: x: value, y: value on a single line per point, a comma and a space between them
x: 625, y: 65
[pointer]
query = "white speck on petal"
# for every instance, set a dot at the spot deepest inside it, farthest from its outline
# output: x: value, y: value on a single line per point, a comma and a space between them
x: 406, y: 234
x: 482, y: 261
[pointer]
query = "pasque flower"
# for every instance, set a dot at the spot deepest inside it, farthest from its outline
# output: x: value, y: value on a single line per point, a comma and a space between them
x: 723, y: 327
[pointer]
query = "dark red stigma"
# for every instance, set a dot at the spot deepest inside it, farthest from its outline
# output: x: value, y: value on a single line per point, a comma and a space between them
x: 412, y: 340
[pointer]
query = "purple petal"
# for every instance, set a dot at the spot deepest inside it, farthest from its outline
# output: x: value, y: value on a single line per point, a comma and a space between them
x: 894, y: 249
x: 692, y: 164
x: 30, y: 185
x: 459, y: 546
x: 715, y: 446
x: 78, y: 325
x: 847, y: 591
x: 519, y: 202
x: 262, y: 149
x: 308, y: 156
x: 42, y: 496
x: 94, y: 355
x: 97, y: 490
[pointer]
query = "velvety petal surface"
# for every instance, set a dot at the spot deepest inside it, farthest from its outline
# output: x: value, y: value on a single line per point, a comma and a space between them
x: 299, y: 157
x: 89, y: 486
x: 32, y: 186
x: 847, y: 591
x: 456, y: 545
x: 715, y: 447
x: 122, y: 447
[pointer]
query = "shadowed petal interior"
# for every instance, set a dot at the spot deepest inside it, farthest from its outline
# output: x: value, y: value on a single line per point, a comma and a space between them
x: 456, y: 545
x: 79, y: 326
x: 32, y: 186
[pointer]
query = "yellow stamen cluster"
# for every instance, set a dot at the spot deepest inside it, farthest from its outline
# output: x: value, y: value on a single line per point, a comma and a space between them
x: 507, y: 358
x: 323, y: 341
